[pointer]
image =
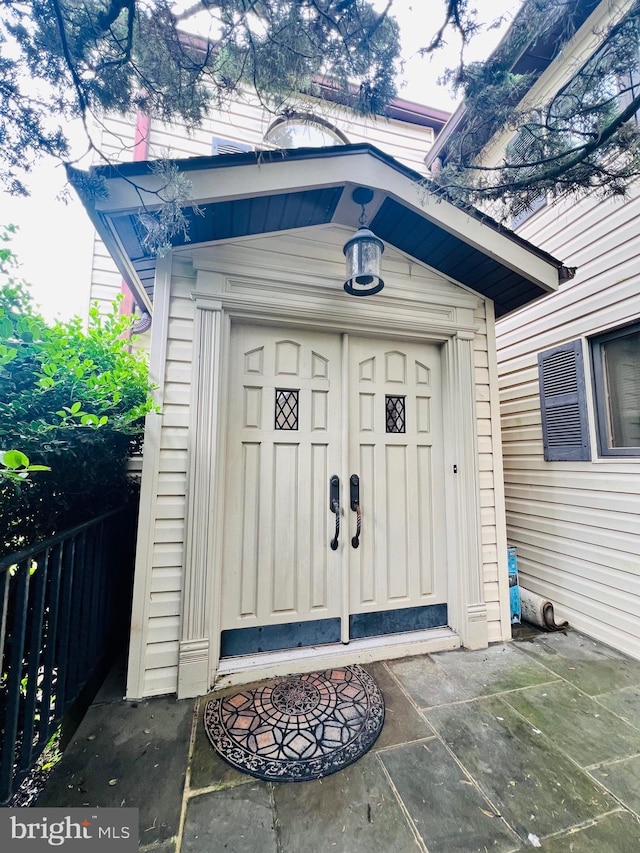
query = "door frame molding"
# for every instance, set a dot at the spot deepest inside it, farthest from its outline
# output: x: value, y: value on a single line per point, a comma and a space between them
x: 225, y: 295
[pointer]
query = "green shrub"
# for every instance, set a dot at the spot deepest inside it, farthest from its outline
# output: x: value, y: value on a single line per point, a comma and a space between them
x: 71, y: 399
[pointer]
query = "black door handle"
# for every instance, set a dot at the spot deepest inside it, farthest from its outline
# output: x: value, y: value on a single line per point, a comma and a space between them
x: 334, y: 506
x: 354, y: 497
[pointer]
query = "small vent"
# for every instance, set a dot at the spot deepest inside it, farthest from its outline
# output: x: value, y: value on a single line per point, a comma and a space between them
x: 228, y: 146
x: 523, y: 147
x: 523, y: 210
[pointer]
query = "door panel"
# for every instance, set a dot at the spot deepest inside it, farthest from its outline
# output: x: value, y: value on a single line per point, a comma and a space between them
x: 284, y: 442
x: 395, y: 447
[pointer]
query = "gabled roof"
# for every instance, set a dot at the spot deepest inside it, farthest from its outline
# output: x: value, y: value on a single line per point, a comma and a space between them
x: 269, y: 192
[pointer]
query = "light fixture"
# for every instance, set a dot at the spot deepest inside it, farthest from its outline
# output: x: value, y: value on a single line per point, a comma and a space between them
x: 363, y: 252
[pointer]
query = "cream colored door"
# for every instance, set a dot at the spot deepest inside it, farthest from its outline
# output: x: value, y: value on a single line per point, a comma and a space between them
x: 395, y: 448
x: 303, y: 406
x: 284, y: 444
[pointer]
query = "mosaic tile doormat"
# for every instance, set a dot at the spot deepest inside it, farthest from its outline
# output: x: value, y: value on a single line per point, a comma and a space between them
x: 299, y: 728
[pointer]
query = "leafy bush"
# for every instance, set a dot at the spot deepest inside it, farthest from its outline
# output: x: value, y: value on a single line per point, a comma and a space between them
x: 71, y: 399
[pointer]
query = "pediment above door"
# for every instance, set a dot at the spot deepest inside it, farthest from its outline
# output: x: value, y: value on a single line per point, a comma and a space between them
x: 241, y: 195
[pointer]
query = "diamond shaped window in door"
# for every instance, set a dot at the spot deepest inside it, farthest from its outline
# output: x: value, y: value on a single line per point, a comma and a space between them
x: 286, y: 409
x: 395, y: 414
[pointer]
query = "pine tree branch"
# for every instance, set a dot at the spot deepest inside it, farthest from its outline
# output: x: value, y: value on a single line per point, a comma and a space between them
x: 68, y: 58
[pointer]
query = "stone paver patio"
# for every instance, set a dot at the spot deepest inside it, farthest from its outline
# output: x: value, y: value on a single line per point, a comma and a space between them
x: 530, y: 744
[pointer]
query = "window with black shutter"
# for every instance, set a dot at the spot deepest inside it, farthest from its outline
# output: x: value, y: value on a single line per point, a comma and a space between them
x: 565, y: 426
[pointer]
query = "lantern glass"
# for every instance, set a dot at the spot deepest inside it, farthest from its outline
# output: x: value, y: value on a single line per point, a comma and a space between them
x: 363, y: 253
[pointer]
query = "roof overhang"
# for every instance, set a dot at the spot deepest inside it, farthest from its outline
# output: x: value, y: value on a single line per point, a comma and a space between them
x: 253, y: 193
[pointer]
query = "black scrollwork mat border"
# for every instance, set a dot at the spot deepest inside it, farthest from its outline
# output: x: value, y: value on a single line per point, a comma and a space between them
x: 299, y: 728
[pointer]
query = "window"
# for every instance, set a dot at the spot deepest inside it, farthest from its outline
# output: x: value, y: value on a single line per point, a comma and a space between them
x: 286, y: 414
x: 616, y: 382
x: 395, y: 414
x: 525, y: 146
x: 629, y: 89
x: 300, y: 130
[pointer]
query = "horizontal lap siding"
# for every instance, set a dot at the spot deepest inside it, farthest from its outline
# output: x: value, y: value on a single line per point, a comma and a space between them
x: 116, y: 143
x: 492, y: 565
x: 575, y: 525
x: 106, y: 281
x: 165, y: 589
x: 246, y: 121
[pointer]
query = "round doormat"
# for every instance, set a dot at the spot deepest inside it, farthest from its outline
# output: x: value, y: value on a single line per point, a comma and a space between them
x: 299, y: 728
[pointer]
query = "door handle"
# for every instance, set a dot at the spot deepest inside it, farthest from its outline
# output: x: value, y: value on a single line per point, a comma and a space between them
x: 354, y: 497
x: 334, y: 506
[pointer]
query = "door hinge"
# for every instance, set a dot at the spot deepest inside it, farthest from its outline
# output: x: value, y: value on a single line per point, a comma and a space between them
x: 455, y: 469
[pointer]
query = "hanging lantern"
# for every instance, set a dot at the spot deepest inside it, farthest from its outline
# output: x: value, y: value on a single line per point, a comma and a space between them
x: 363, y: 252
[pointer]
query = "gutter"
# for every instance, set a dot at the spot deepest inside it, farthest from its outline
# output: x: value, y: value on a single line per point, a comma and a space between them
x: 140, y: 152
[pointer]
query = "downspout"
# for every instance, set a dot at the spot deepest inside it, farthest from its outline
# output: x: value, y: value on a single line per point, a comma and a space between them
x: 140, y: 152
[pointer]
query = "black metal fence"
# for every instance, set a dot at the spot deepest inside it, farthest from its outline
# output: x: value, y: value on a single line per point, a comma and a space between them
x: 64, y: 605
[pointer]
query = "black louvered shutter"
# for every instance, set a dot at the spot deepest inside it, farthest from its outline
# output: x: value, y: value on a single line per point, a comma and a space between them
x: 565, y: 427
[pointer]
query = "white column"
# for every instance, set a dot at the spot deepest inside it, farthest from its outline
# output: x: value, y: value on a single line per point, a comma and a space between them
x: 194, y: 664
x: 469, y: 611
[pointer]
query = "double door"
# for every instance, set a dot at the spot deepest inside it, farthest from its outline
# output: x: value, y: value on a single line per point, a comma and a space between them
x: 334, y: 511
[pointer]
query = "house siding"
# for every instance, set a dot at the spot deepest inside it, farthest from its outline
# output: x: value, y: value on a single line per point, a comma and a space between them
x: 160, y: 555
x: 159, y: 573
x: 575, y: 524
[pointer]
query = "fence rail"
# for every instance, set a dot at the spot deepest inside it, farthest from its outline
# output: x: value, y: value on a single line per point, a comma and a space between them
x: 64, y: 605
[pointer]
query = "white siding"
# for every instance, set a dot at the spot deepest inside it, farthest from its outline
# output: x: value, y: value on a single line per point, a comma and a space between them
x: 160, y: 553
x: 575, y: 524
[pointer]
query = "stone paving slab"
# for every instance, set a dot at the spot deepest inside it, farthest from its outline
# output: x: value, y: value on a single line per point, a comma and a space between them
x: 614, y: 833
x: 208, y: 770
x: 402, y: 722
x: 353, y: 811
x: 458, y: 675
x: 236, y: 820
x: 497, y: 669
x: 128, y: 755
x: 625, y: 703
x: 589, y: 665
x: 485, y: 769
x: 622, y: 778
x: 576, y: 723
x: 445, y: 806
x: 425, y: 681
x: 533, y: 786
